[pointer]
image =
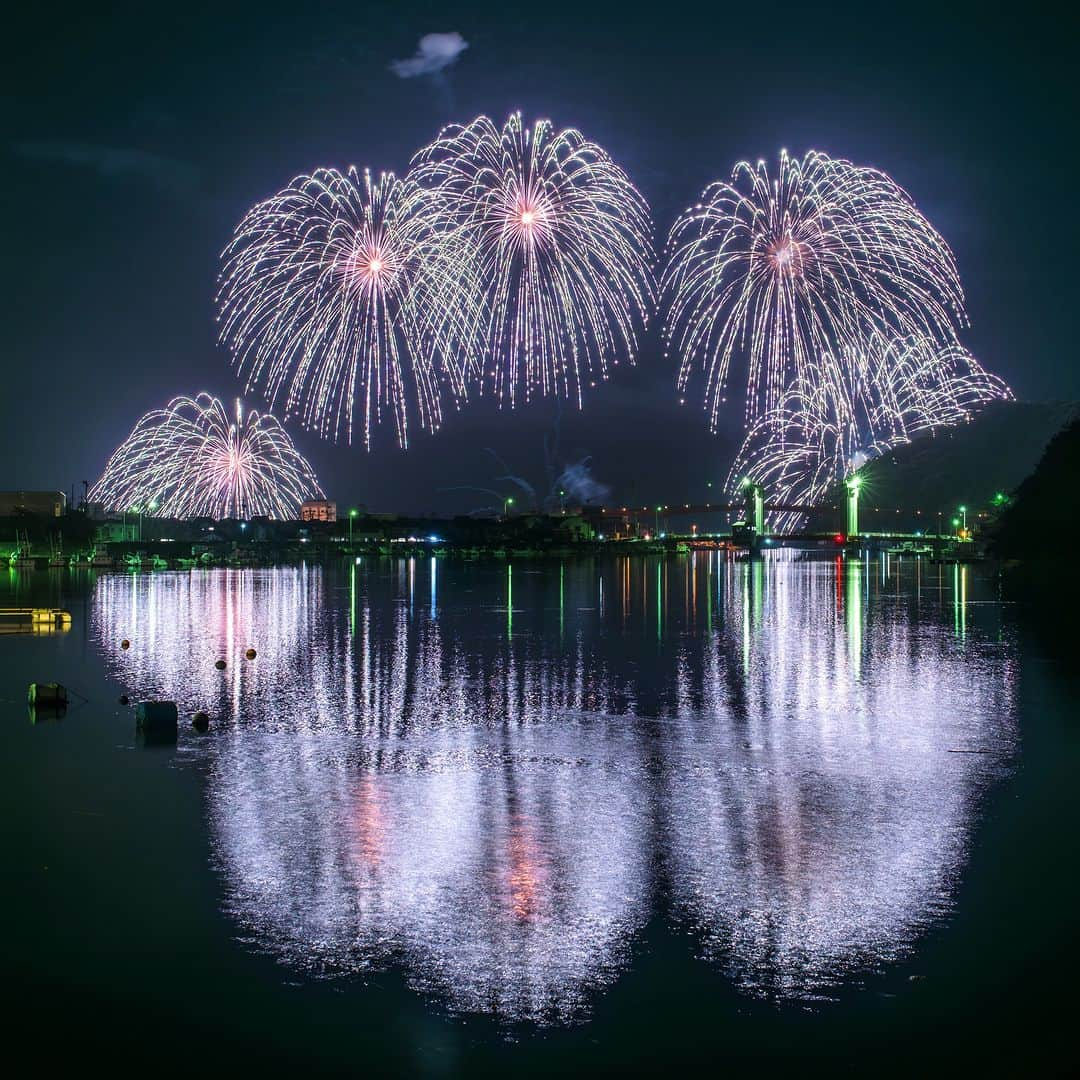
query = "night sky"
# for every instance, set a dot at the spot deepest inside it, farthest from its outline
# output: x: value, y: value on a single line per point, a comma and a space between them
x: 135, y: 139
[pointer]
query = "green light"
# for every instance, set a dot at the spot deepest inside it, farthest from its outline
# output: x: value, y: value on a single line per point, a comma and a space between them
x: 962, y: 509
x: 353, y: 513
x: 562, y: 600
x: 955, y: 521
x: 659, y: 605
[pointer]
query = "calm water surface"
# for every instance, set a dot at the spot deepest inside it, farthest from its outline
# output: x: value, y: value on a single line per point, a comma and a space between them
x: 593, y: 815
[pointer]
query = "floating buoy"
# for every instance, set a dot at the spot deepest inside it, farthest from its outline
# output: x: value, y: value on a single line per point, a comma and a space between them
x: 156, y: 720
x: 251, y: 654
x: 125, y: 644
x: 46, y: 694
x: 220, y: 665
x: 201, y: 721
x: 123, y: 699
x: 46, y: 701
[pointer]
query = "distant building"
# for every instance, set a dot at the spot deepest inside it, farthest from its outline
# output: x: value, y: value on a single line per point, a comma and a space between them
x: 113, y: 531
x: 36, y: 503
x: 318, y: 510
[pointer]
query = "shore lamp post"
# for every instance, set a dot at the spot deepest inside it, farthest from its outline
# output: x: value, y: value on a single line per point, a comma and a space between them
x: 352, y: 518
x: 507, y: 503
x: 963, y: 515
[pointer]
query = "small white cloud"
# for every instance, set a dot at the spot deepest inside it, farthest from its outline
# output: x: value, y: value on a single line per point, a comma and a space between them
x: 433, y: 53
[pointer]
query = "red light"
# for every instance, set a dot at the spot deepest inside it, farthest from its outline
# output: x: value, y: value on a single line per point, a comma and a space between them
x: 839, y: 538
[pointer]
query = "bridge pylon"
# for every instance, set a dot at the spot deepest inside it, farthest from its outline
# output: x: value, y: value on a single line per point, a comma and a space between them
x: 851, y: 518
x: 755, y: 505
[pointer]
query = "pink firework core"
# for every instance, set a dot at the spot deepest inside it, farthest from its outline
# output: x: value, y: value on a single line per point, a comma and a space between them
x: 367, y: 264
x: 529, y: 217
x: 786, y: 256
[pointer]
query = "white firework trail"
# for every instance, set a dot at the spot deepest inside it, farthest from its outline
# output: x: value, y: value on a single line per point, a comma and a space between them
x: 191, y: 459
x: 563, y: 243
x: 780, y: 273
x: 348, y: 295
x: 892, y: 391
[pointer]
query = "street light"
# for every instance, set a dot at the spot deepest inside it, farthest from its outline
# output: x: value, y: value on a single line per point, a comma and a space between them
x: 352, y: 514
x: 963, y: 511
x: 507, y: 503
x: 656, y: 531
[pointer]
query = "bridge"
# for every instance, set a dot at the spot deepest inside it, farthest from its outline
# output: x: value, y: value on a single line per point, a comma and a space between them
x: 750, y: 531
x: 754, y: 506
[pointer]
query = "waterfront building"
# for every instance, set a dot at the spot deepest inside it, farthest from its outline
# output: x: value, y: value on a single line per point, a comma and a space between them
x: 318, y: 510
x: 34, y: 503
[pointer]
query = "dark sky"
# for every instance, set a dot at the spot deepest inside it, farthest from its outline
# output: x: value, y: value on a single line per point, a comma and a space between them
x: 136, y: 137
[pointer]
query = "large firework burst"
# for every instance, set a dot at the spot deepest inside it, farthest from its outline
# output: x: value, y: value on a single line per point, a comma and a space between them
x: 191, y: 459
x: 890, y: 391
x: 346, y: 295
x: 563, y: 243
x: 793, y: 273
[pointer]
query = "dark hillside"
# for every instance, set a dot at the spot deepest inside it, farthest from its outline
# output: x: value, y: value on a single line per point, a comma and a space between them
x: 920, y: 485
x: 1045, y: 510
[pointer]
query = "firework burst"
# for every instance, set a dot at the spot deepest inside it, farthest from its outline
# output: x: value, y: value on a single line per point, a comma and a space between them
x: 820, y: 431
x: 340, y: 293
x: 790, y: 274
x: 563, y: 244
x: 191, y: 459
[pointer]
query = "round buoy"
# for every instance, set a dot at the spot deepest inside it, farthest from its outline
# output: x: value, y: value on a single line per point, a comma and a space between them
x: 123, y: 699
x: 200, y: 721
x: 125, y: 644
x: 251, y: 654
x: 220, y: 665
